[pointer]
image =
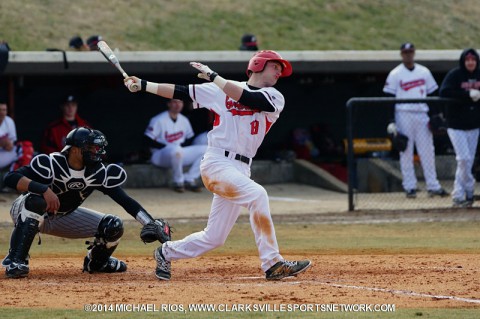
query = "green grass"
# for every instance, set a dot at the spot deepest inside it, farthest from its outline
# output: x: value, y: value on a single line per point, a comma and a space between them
x: 219, y: 24
x: 395, y: 238
x: 400, y: 313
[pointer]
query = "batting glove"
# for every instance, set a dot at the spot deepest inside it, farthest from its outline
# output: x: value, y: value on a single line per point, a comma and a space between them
x: 475, y: 95
x: 206, y: 72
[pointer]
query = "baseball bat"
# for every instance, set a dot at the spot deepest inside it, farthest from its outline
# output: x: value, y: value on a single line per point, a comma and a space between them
x: 112, y: 58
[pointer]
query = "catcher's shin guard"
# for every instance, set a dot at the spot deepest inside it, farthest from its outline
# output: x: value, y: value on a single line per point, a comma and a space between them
x: 23, y: 235
x: 99, y: 259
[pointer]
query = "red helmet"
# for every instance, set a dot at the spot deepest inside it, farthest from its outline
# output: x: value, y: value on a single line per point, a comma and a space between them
x: 259, y: 60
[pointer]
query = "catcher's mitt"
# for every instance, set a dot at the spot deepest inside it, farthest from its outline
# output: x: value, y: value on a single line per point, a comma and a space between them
x: 158, y: 230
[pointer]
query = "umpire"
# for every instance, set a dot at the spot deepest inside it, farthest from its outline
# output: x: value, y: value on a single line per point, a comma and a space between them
x: 54, y: 186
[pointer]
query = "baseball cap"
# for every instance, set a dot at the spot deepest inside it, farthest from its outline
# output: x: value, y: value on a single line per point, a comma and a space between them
x: 407, y: 46
x: 249, y: 43
x: 69, y: 98
x: 76, y: 42
x: 93, y: 40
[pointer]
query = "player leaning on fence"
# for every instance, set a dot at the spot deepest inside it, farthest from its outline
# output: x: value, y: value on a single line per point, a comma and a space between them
x: 463, y: 120
x: 410, y: 80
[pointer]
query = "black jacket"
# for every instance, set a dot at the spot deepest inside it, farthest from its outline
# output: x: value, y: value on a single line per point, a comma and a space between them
x: 464, y: 114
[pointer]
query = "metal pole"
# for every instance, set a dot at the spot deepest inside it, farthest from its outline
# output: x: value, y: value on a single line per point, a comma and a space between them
x: 350, y: 157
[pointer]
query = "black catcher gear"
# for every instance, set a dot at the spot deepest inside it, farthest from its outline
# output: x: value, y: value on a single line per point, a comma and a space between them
x: 91, y: 142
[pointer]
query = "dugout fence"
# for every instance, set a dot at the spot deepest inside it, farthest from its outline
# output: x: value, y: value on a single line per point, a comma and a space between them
x: 374, y: 174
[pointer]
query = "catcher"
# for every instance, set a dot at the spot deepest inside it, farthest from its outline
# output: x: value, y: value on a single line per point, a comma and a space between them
x: 54, y: 186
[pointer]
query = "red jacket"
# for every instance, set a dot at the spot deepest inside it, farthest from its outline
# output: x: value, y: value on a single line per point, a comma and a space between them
x: 54, y: 136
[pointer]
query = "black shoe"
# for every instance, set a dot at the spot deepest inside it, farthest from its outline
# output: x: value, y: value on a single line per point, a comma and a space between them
x: 112, y: 265
x: 439, y: 192
x: 162, y: 271
x: 468, y: 201
x: 17, y: 270
x: 411, y: 193
x: 8, y: 260
x: 179, y: 188
x: 283, y: 269
x: 193, y: 187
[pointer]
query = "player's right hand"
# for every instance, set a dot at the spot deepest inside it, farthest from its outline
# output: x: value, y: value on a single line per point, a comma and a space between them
x: 53, y: 203
x: 132, y: 83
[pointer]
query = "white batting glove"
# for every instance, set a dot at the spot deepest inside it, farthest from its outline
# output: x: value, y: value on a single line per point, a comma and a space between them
x: 206, y: 73
x: 133, y: 84
x: 475, y: 95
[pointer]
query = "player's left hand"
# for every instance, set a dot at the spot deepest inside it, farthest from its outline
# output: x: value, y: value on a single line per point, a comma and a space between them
x: 204, y: 69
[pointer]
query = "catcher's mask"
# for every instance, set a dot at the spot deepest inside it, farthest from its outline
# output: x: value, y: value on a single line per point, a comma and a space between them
x: 91, y: 142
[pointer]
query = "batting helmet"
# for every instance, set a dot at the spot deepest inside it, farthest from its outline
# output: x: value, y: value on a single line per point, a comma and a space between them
x: 91, y: 142
x: 259, y: 60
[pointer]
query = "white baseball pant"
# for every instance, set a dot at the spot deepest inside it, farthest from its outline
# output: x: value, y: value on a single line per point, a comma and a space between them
x: 201, y: 139
x: 465, y: 146
x: 176, y: 157
x: 415, y: 126
x: 229, y: 180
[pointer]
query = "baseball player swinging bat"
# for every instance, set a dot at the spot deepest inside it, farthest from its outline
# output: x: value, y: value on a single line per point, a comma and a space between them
x: 112, y: 58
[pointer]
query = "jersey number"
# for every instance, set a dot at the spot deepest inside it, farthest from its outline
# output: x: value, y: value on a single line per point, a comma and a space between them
x: 254, y: 127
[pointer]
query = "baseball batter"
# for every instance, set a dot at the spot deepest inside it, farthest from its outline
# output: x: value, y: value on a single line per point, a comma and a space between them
x: 244, y: 113
x: 170, y: 135
x: 54, y: 186
x: 463, y: 121
x: 411, y: 80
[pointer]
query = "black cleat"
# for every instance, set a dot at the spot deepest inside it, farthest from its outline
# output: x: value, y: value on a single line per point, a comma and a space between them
x: 112, y: 265
x: 283, y: 269
x: 162, y: 271
x: 439, y: 192
x: 179, y: 188
x: 411, y: 193
x: 193, y: 187
x: 8, y: 260
x: 17, y: 270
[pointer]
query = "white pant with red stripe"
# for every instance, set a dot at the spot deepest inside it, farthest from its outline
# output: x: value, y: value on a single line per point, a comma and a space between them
x: 176, y: 157
x: 229, y: 180
x: 415, y: 126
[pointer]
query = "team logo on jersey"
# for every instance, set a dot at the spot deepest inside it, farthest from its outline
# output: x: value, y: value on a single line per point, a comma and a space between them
x: 411, y: 84
x: 237, y: 108
x: 76, y: 185
x: 173, y: 137
x: 471, y: 84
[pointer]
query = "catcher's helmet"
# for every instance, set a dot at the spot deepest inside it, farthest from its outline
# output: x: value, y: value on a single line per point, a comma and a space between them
x: 91, y: 142
x: 259, y: 60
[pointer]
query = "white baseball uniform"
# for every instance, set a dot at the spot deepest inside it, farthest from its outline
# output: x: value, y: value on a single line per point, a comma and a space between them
x: 237, y: 131
x: 8, y: 130
x: 172, y: 133
x: 412, y: 120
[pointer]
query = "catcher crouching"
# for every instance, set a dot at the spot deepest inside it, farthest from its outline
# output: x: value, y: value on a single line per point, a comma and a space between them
x: 54, y: 186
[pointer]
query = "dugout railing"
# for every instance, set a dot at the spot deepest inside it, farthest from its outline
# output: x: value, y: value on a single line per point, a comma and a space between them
x: 367, y: 120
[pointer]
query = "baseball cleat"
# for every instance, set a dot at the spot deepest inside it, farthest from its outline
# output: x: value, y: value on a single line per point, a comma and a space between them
x: 8, y: 260
x: 283, y: 269
x: 162, y: 271
x: 439, y: 192
x: 411, y: 193
x: 17, y: 270
x: 179, y: 188
x: 112, y: 265
x: 193, y: 187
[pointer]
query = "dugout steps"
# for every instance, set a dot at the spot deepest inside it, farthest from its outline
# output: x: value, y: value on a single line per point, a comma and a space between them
x: 263, y: 172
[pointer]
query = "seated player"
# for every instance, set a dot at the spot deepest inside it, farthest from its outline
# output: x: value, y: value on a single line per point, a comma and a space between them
x: 8, y: 137
x: 169, y: 135
x: 54, y: 186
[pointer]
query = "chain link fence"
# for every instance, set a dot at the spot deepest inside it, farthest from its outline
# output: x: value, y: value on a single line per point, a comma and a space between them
x: 375, y: 178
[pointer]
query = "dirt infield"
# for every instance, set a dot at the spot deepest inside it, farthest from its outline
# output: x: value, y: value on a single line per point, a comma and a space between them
x: 408, y: 281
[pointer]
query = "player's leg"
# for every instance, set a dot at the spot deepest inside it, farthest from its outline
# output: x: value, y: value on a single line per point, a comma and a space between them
x: 26, y: 213
x: 231, y: 180
x: 426, y: 151
x: 86, y: 223
x: 223, y: 215
x: 462, y: 154
x: 201, y: 139
x: 192, y: 155
x: 7, y: 157
x: 472, y: 142
x: 406, y: 125
x: 171, y: 156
